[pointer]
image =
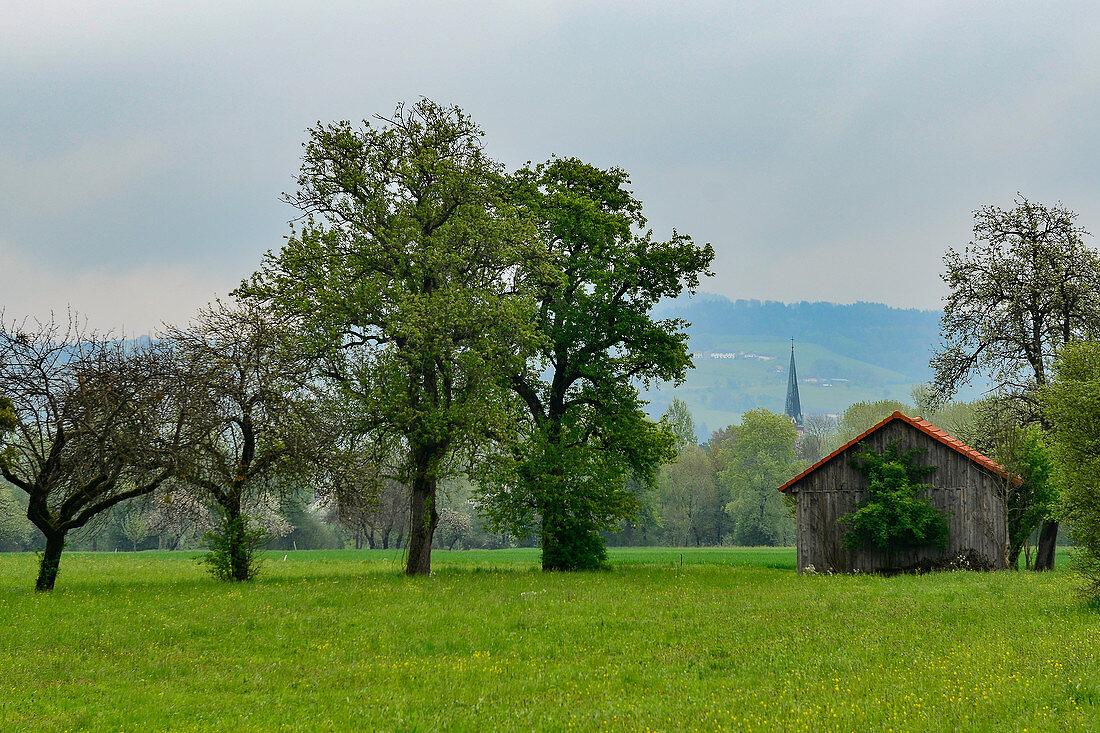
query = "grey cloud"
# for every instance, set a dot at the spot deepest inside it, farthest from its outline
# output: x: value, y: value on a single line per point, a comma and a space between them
x: 829, y: 151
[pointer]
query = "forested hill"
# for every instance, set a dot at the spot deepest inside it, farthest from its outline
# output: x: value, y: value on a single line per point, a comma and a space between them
x: 897, y: 339
x: 845, y: 354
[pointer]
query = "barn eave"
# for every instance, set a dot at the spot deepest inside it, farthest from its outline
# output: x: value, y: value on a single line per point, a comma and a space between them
x: 920, y: 424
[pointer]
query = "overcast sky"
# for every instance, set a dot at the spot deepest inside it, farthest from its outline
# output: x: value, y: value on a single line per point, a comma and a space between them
x: 829, y: 151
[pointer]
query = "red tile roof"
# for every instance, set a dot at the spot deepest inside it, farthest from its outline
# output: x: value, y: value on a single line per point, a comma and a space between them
x: 922, y: 425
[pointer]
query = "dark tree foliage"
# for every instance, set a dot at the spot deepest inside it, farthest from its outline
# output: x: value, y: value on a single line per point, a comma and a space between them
x: 7, y: 416
x: 895, y: 515
x: 1030, y: 500
x: 1024, y: 288
x: 595, y: 287
x: 402, y: 277
x: 1072, y: 402
x: 96, y: 422
x: 997, y: 430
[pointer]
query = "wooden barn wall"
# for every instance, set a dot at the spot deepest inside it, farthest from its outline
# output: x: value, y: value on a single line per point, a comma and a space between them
x: 963, y: 488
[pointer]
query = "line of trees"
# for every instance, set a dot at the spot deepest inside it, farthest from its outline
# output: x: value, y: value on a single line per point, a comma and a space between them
x: 446, y: 353
x: 722, y: 492
x: 431, y: 317
x: 483, y: 323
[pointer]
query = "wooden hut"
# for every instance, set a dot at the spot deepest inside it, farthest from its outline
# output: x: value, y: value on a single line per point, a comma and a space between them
x: 968, y: 487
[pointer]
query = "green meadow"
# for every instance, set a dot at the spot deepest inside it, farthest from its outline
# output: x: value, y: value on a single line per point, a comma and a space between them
x: 670, y: 639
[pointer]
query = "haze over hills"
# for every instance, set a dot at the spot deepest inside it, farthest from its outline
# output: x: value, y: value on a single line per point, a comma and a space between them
x: 742, y: 349
x: 844, y: 354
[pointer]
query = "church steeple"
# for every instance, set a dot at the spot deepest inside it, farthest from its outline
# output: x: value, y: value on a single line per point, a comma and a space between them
x: 794, y: 407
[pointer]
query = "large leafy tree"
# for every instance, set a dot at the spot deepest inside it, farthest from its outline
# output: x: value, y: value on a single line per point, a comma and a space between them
x: 96, y: 422
x: 595, y: 287
x: 401, y: 275
x: 690, y: 499
x: 1072, y: 403
x: 1025, y: 287
x: 759, y: 459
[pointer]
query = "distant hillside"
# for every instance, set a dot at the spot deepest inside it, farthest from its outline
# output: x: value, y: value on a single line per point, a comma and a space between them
x: 896, y: 339
x: 845, y: 354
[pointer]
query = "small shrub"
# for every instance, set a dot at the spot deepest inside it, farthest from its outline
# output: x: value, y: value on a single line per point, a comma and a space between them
x: 895, y: 516
x: 234, y: 549
x: 574, y: 546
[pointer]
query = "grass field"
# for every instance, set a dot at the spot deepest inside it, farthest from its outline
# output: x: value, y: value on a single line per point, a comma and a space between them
x: 731, y: 639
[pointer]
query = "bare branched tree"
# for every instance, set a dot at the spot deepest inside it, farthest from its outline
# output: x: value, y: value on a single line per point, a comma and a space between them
x: 360, y: 490
x: 1025, y: 287
x: 97, y: 422
x: 251, y: 411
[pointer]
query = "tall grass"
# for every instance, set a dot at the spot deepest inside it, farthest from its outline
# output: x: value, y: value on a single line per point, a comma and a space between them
x: 730, y: 639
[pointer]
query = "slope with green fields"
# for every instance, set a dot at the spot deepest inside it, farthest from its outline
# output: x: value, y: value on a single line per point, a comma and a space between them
x: 720, y: 388
x: 845, y: 354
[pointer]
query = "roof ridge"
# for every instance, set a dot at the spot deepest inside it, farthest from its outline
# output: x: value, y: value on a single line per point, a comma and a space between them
x: 925, y: 427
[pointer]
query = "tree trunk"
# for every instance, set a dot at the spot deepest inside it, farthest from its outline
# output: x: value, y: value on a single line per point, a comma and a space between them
x: 423, y: 517
x: 235, y: 529
x: 238, y: 540
x: 1014, y: 556
x: 553, y: 552
x: 1048, y: 536
x: 51, y: 559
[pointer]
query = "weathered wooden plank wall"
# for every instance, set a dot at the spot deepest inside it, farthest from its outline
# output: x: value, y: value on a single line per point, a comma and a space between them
x: 963, y: 488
